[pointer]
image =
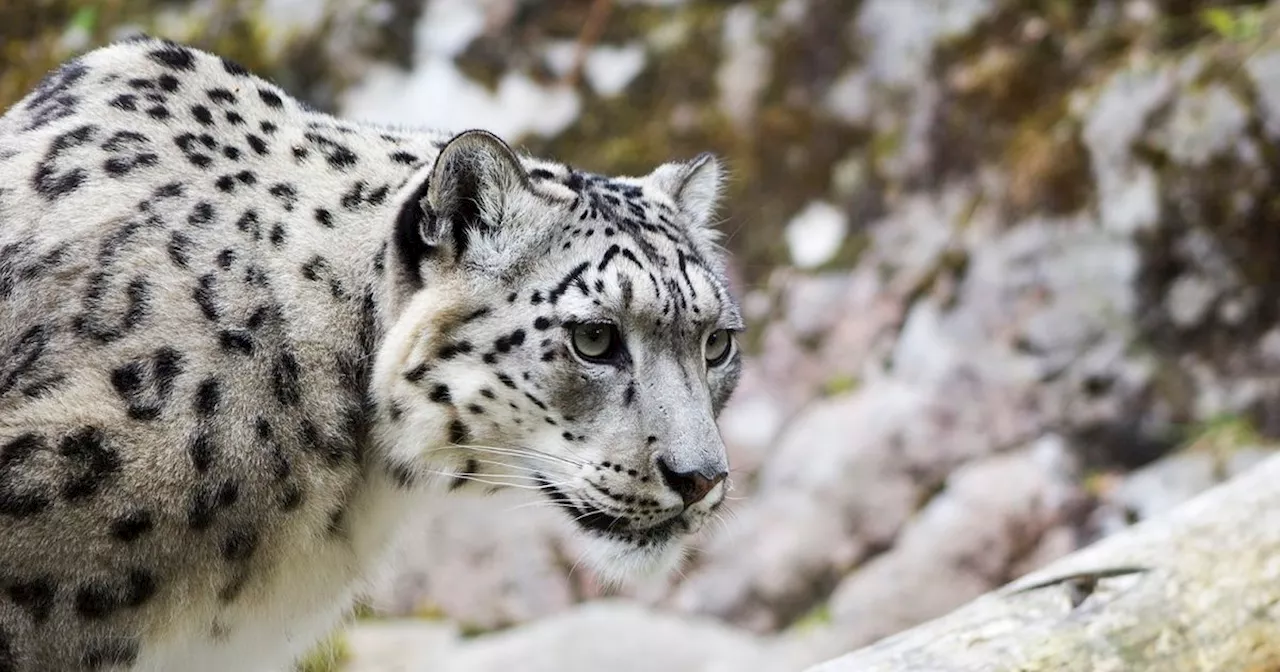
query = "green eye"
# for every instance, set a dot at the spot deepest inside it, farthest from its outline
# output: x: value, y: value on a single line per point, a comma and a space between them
x: 595, y: 340
x: 719, y: 345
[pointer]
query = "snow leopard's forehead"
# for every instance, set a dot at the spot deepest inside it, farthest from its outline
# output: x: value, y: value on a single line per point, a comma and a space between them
x: 622, y: 249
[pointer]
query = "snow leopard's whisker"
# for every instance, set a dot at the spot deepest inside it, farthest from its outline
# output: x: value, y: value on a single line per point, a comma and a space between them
x: 462, y: 475
x: 474, y: 477
x: 522, y: 471
x: 574, y: 567
x: 499, y: 453
x: 572, y: 503
x: 720, y: 520
x: 522, y: 452
x: 511, y: 452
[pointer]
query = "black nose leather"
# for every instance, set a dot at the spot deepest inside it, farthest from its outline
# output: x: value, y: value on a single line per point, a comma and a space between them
x: 692, y: 486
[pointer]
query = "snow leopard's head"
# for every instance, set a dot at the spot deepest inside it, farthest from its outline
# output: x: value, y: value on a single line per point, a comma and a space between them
x: 567, y: 333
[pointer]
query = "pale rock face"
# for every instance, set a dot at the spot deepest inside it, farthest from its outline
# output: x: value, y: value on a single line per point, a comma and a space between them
x: 814, y: 235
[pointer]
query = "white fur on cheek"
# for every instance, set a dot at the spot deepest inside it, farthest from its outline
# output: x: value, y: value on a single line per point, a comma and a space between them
x: 425, y: 427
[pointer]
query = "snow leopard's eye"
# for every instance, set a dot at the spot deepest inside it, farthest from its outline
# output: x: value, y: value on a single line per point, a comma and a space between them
x: 596, y: 341
x: 718, y: 346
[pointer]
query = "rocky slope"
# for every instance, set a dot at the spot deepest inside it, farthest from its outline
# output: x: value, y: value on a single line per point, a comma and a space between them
x: 1009, y: 267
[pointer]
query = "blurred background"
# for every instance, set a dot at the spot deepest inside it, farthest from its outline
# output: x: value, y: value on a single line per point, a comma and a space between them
x: 1009, y: 268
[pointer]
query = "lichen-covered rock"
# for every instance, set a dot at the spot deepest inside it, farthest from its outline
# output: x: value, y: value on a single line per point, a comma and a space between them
x: 968, y: 539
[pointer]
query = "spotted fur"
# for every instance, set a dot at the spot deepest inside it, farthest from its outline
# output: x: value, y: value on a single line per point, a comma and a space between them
x: 243, y: 340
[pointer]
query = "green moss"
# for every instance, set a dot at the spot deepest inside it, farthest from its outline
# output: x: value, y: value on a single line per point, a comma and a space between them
x: 1238, y: 24
x: 363, y: 611
x: 840, y: 385
x: 429, y: 611
x: 330, y: 655
x: 817, y: 617
x: 472, y: 630
x: 1223, y: 435
x: 1006, y: 103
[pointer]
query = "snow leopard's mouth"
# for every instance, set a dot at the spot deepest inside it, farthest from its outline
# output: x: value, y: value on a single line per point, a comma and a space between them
x: 595, y: 520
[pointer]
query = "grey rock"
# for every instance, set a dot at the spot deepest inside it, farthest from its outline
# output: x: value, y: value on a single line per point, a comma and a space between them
x: 901, y: 35
x: 1068, y: 278
x: 1210, y: 276
x: 398, y: 646
x: 826, y: 496
x: 1263, y: 69
x: 609, y: 635
x: 866, y: 326
x: 1190, y: 299
x: 1205, y: 122
x: 789, y: 367
x: 1166, y: 483
x: 850, y: 98
x: 812, y: 302
x: 909, y: 243
x: 751, y: 422
x: 846, y: 476
x: 1244, y: 459
x: 992, y: 514
x: 1128, y: 198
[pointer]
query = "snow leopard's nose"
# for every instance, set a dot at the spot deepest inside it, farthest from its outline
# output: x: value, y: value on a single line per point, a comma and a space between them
x: 692, y: 486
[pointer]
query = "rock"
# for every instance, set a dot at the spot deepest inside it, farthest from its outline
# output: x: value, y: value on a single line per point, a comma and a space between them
x: 792, y: 371
x: 901, y: 35
x: 1053, y: 286
x: 826, y: 497
x: 516, y: 105
x: 608, y: 635
x: 398, y: 646
x: 1244, y: 459
x: 814, y: 235
x: 849, y: 99
x: 1263, y: 68
x: 1128, y: 199
x: 866, y: 323
x: 750, y: 423
x: 812, y: 304
x: 910, y: 243
x: 610, y: 69
x: 1190, y: 299
x: 992, y: 514
x: 1166, y: 483
x: 1206, y: 122
x: 745, y: 67
x: 847, y: 474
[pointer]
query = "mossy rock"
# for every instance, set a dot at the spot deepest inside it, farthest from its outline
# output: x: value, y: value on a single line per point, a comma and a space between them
x: 778, y: 162
x: 36, y: 36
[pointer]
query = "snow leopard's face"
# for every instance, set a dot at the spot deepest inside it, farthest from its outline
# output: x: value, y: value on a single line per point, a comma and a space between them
x: 568, y: 333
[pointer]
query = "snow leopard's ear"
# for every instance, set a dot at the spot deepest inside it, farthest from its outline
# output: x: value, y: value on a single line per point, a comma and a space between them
x: 474, y: 175
x: 693, y: 185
